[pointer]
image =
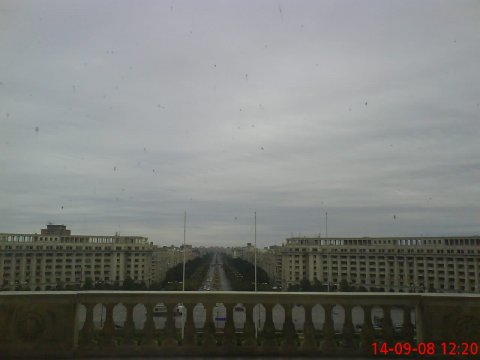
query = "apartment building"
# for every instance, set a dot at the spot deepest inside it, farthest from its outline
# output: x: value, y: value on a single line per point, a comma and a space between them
x: 55, y: 257
x: 406, y: 264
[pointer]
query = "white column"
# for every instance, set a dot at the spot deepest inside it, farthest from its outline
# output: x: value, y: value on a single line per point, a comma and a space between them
x: 12, y: 273
x: 445, y: 270
x: 63, y: 268
x: 1, y: 269
x: 43, y: 279
x: 33, y: 272
x: 396, y: 274
x: 477, y: 287
x: 22, y: 269
x: 455, y: 266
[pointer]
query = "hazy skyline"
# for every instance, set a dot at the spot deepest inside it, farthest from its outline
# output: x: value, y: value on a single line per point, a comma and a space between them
x: 118, y: 116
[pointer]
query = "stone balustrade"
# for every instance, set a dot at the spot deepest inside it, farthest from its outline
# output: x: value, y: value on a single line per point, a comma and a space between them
x: 66, y: 324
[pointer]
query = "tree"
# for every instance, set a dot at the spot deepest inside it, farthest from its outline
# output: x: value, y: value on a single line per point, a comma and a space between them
x: 88, y: 284
x: 294, y: 288
x: 128, y: 284
x: 305, y: 285
x: 318, y: 286
x: 344, y: 286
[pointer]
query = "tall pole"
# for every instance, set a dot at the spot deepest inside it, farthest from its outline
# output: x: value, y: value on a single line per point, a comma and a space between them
x: 326, y: 224
x: 255, y: 251
x: 184, y: 248
x: 257, y: 326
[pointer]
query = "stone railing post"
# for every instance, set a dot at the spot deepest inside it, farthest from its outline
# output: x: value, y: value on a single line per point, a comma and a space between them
x: 129, y: 327
x: 348, y: 330
x: 288, y: 334
x: 190, y: 331
x: 420, y: 323
x: 268, y: 333
x: 328, y: 344
x: 108, y: 330
x: 169, y: 338
x: 35, y: 325
x: 387, y: 326
x: 249, y: 339
x: 88, y: 326
x: 407, y: 326
x: 148, y: 336
x: 368, y: 333
x: 209, y: 331
x: 229, y: 337
x: 309, y: 342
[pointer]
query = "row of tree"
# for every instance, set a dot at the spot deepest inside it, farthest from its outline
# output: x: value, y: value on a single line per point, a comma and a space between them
x: 241, y: 275
x: 195, y: 272
x: 343, y: 286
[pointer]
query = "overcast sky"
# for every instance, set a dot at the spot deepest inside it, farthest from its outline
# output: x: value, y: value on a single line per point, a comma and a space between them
x: 120, y: 115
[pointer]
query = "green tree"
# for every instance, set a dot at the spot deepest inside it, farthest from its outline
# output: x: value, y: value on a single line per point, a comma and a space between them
x: 318, y: 286
x: 294, y: 288
x: 88, y: 284
x: 305, y: 285
x: 344, y: 286
x: 128, y: 284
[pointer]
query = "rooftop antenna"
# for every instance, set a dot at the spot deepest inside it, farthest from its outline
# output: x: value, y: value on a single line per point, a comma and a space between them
x: 320, y: 229
x: 326, y: 224
x: 255, y: 249
x: 184, y: 248
x: 257, y: 325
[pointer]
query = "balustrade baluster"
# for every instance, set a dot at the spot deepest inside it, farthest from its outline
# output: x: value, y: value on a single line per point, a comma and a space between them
x: 368, y: 333
x: 348, y: 331
x: 309, y: 343
x: 170, y: 338
x: 328, y: 344
x: 149, y: 327
x: 288, y: 334
x: 249, y: 339
x: 387, y: 326
x: 129, y: 326
x: 108, y: 330
x: 209, y: 327
x: 88, y: 326
x: 407, y: 327
x: 229, y: 336
x: 189, y: 330
x: 268, y: 333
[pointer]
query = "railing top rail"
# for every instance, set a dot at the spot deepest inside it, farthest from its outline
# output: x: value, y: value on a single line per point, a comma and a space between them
x: 259, y: 293
x: 352, y: 299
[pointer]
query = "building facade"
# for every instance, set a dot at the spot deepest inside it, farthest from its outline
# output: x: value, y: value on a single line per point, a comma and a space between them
x: 413, y: 264
x: 56, y: 258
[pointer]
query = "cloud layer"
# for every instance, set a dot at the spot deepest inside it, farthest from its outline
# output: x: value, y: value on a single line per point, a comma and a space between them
x: 118, y: 116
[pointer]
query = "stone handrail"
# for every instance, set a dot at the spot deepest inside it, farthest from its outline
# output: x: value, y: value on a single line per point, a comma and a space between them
x: 48, y: 324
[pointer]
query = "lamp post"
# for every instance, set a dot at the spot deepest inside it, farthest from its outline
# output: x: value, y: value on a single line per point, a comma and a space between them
x: 255, y: 250
x: 184, y: 238
x: 257, y: 323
